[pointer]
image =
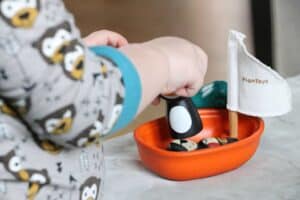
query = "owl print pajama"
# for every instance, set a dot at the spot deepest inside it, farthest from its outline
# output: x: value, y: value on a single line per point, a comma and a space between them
x: 57, y: 100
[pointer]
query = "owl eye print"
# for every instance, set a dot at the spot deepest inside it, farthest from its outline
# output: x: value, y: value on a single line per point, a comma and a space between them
x: 14, y: 164
x: 89, y: 190
x: 53, y: 43
x: 59, y: 122
x: 20, y: 13
x: 73, y: 64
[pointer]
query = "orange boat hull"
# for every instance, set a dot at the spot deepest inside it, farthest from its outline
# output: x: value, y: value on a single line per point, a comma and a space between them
x: 152, y: 139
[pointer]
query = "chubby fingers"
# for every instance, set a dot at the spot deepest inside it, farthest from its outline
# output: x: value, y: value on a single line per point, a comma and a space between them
x: 196, y: 78
x: 105, y: 37
x: 187, y: 91
x: 156, y: 101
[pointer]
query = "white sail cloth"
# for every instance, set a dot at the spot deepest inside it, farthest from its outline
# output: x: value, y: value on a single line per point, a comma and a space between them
x: 254, y: 88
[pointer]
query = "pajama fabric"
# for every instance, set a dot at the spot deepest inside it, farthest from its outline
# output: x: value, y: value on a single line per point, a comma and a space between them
x: 58, y: 99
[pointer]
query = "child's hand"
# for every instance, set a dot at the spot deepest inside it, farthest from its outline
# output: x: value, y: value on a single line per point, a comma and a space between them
x: 187, y: 65
x: 105, y: 37
x: 167, y: 65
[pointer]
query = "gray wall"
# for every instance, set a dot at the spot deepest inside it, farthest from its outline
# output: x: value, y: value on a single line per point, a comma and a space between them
x: 286, y: 29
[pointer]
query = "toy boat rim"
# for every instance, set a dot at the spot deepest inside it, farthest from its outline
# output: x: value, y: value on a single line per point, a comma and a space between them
x: 199, y: 152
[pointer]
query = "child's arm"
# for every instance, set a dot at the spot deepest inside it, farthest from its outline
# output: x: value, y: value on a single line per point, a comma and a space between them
x: 152, y: 59
x: 67, y: 94
x: 167, y: 65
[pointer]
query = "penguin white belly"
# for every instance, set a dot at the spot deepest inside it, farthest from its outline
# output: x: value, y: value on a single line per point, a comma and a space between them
x: 180, y: 119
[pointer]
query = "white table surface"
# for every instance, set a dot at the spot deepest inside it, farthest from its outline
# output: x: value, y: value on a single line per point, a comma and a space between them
x: 272, y: 173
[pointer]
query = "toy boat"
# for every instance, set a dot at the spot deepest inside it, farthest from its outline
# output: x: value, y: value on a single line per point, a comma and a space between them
x: 250, y: 81
x: 153, y: 137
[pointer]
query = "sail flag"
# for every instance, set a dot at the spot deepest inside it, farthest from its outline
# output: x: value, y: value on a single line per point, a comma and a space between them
x: 254, y: 88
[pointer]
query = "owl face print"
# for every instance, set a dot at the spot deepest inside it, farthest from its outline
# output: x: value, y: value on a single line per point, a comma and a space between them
x: 89, y: 190
x: 89, y: 136
x: 59, y: 122
x: 20, y: 13
x: 36, y: 178
x: 12, y: 163
x: 73, y: 64
x: 53, y: 43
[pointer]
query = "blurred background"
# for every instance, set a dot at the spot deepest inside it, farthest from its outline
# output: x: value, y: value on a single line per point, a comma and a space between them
x: 272, y: 28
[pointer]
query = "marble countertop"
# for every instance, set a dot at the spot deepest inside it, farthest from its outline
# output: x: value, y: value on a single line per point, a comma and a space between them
x: 272, y: 173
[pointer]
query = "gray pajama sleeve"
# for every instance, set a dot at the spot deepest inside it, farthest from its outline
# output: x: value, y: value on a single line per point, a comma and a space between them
x: 58, y: 99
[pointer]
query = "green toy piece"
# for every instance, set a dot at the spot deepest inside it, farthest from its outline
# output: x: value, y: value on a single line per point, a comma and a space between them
x: 211, y: 95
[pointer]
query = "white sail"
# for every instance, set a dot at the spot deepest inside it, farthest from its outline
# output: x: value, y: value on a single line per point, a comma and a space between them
x: 254, y: 88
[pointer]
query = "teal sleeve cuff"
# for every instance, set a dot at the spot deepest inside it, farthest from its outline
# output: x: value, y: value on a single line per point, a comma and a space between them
x: 132, y: 83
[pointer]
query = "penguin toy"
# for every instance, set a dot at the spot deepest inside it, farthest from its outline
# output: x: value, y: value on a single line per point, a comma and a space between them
x: 183, y: 117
